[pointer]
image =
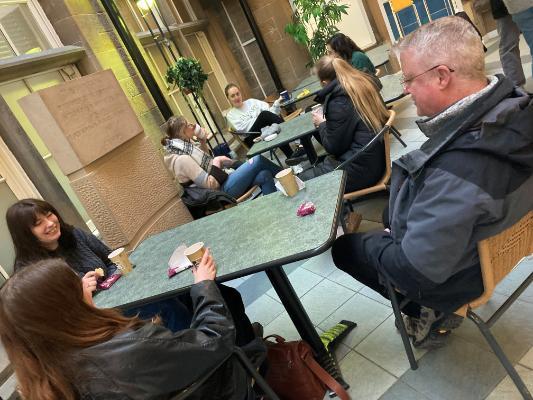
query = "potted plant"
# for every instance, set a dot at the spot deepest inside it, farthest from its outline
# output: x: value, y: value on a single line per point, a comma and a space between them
x: 314, y: 22
x: 187, y: 74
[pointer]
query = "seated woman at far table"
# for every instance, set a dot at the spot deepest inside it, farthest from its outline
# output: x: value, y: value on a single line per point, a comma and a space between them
x: 251, y: 115
x: 353, y: 112
x: 192, y: 165
x: 342, y: 46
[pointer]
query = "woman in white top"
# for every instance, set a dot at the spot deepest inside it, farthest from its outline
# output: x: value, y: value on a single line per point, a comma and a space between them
x: 251, y: 115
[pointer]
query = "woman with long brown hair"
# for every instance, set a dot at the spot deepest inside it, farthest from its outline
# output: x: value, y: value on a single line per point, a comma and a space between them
x: 352, y: 113
x: 80, y: 351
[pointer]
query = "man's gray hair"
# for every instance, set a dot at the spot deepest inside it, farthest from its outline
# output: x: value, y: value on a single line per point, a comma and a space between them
x: 449, y: 41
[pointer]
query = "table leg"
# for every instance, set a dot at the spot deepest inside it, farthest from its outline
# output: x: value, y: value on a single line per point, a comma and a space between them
x: 309, y: 149
x: 301, y: 321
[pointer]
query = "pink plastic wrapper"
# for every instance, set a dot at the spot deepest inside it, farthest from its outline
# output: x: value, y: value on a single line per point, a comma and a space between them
x: 305, y: 209
x: 106, y: 284
x: 171, y: 271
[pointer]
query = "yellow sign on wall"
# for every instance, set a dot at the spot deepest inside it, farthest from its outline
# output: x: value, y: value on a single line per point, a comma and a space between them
x: 399, y: 5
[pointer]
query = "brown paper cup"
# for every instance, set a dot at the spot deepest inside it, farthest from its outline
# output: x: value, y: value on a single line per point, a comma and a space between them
x: 288, y: 181
x: 195, y: 252
x: 120, y: 258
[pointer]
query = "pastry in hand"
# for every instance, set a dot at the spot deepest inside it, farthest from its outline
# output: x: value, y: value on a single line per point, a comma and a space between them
x: 99, y: 272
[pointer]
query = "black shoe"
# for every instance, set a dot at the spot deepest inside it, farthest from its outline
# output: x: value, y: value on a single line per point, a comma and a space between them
x: 300, y: 151
x: 295, y: 160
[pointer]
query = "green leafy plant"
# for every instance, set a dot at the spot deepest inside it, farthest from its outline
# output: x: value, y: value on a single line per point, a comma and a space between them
x: 187, y: 74
x: 314, y: 22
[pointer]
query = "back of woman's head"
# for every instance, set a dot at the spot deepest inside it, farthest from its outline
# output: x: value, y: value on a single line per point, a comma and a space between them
x: 20, y: 218
x: 174, y: 128
x: 359, y: 86
x: 343, y: 46
x: 44, y: 320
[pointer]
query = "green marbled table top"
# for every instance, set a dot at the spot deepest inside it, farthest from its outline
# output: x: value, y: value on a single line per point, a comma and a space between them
x: 392, y: 87
x: 379, y: 55
x: 244, y: 239
x: 310, y: 83
x: 291, y: 130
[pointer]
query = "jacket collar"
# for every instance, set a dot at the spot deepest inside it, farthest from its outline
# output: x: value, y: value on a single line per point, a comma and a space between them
x: 446, y: 126
x: 332, y: 88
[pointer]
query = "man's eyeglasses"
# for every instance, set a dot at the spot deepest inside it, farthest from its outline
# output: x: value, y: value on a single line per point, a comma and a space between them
x: 404, y: 81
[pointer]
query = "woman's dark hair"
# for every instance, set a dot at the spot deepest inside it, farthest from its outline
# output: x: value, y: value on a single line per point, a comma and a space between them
x: 174, y: 128
x: 229, y: 86
x: 20, y: 218
x: 44, y: 322
x: 343, y: 46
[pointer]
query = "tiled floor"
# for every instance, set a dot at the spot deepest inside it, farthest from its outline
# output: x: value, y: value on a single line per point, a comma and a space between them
x: 371, y: 356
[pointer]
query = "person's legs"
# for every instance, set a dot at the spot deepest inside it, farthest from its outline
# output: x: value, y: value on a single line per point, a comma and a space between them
x: 243, y: 327
x: 175, y: 315
x: 509, y: 50
x: 267, y: 118
x: 247, y: 175
x: 349, y: 256
x: 524, y: 20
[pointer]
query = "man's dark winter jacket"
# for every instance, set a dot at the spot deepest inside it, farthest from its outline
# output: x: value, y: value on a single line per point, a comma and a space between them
x: 472, y: 179
x: 344, y: 134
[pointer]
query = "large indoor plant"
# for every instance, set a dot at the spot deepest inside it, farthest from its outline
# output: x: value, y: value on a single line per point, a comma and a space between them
x: 187, y: 74
x: 314, y: 22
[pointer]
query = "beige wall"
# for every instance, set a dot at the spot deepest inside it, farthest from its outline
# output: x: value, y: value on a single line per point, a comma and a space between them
x: 85, y: 23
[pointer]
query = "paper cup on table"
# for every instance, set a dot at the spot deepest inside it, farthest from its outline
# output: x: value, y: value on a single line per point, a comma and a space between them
x: 195, y: 253
x: 120, y: 258
x: 288, y: 181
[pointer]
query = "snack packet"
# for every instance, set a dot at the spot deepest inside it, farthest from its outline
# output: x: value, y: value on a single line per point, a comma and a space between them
x: 305, y: 209
x: 107, y: 283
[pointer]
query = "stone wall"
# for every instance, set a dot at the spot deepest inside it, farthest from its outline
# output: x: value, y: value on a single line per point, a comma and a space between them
x: 290, y: 58
x: 85, y: 23
x: 271, y: 17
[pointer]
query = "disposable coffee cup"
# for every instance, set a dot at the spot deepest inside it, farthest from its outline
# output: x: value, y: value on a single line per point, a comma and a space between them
x: 120, y: 258
x: 198, y: 132
x: 287, y: 179
x: 195, y: 253
x: 285, y: 95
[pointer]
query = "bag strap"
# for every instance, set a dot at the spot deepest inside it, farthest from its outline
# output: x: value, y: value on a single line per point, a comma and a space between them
x: 278, y: 338
x: 326, y: 378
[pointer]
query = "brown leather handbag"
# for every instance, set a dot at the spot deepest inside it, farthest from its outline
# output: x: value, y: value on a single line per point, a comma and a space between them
x: 294, y: 374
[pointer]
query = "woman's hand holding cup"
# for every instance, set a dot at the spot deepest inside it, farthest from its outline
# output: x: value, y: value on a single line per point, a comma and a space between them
x: 206, y: 269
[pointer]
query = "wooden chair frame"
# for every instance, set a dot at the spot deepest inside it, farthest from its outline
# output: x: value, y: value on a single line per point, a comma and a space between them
x: 498, y: 256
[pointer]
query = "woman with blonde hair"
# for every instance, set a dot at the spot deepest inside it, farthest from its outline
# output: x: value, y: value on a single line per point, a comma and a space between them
x: 352, y: 113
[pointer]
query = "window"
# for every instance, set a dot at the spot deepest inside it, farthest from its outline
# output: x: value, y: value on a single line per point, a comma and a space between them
x: 17, y: 33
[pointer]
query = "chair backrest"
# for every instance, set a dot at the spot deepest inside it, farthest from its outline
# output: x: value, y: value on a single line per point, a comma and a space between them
x: 500, y: 254
x: 381, y: 184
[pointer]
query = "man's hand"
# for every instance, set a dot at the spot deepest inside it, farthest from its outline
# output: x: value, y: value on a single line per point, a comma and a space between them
x: 206, y: 270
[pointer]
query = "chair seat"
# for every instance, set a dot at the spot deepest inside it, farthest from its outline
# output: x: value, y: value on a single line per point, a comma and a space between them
x: 248, y: 194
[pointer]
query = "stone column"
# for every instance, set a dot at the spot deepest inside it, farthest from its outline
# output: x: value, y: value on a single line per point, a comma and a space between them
x: 99, y: 144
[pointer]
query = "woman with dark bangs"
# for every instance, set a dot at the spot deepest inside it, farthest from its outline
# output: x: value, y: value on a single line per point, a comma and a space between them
x: 39, y: 233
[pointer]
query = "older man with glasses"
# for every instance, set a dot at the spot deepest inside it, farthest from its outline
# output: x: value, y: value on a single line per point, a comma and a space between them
x: 471, y: 179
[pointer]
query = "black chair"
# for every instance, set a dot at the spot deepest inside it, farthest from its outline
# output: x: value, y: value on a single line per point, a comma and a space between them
x: 243, y: 360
